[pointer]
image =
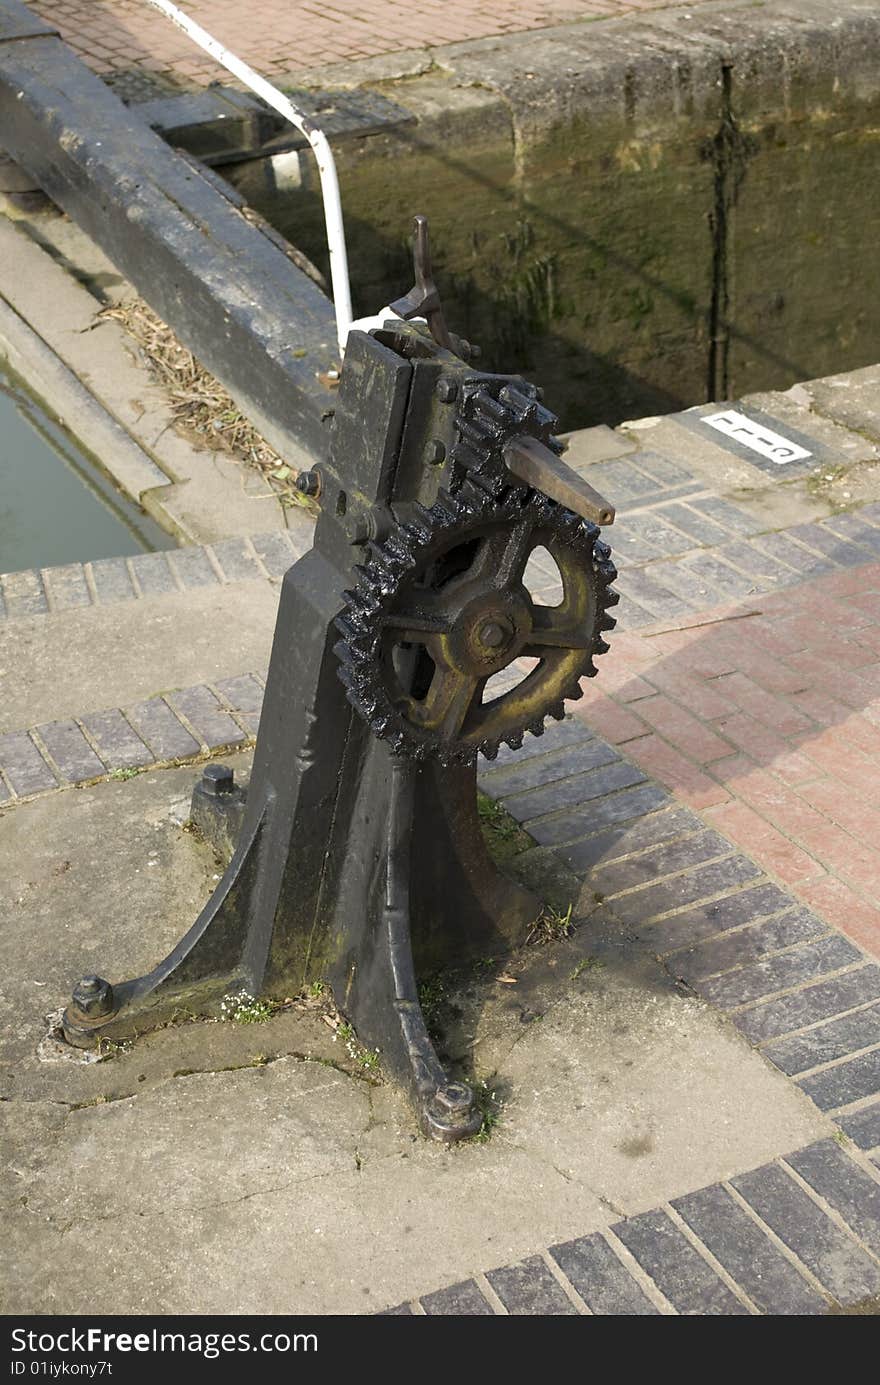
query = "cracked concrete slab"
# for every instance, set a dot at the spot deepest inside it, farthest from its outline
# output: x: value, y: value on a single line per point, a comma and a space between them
x: 226, y: 1168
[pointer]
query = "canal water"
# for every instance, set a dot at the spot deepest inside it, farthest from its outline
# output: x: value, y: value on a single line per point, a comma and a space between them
x: 55, y: 505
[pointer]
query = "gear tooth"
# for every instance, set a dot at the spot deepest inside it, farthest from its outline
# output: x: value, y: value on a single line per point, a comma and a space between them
x: 396, y: 545
x: 557, y: 711
x: 515, y: 739
x: 466, y: 456
x: 517, y: 395
x: 590, y: 670
x: 481, y: 483
x: 381, y: 556
x: 489, y: 749
x: 536, y: 728
x: 475, y: 432
x: 364, y: 593
x: 490, y: 407
x: 607, y: 622
x: 611, y: 598
x: 600, y: 646
x: 601, y: 549
x: 417, y: 533
x: 575, y: 693
x: 606, y: 572
x: 348, y: 632
x: 444, y: 511
x: 351, y: 655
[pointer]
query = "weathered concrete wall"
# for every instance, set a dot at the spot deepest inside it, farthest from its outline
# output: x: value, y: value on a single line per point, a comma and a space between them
x: 641, y: 214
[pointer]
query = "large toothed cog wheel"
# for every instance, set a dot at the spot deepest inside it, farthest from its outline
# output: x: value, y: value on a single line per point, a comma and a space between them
x: 448, y: 602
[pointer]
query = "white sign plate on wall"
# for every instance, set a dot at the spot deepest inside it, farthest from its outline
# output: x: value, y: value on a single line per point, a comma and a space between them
x: 744, y: 430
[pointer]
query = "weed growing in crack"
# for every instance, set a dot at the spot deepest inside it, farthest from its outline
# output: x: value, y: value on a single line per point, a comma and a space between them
x: 367, y: 1059
x: 242, y: 1008
x: 432, y: 995
x: 490, y: 1106
x: 551, y: 926
x: 502, y: 833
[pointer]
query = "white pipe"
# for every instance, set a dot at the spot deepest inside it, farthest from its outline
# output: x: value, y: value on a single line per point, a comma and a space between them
x: 317, y: 139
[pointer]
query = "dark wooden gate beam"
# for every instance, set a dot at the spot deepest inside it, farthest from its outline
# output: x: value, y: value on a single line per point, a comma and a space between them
x: 260, y: 325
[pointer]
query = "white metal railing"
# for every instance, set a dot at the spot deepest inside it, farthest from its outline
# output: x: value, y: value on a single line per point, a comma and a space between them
x: 339, y: 278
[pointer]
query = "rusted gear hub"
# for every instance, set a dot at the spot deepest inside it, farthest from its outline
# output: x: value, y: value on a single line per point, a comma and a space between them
x: 444, y: 604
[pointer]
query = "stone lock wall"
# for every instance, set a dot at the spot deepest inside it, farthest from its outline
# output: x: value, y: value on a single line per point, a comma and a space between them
x: 640, y: 214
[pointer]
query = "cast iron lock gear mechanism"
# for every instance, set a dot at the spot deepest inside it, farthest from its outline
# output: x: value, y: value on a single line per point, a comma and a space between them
x: 411, y: 638
x: 441, y: 607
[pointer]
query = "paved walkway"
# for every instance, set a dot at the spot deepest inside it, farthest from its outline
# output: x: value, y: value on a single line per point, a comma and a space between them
x: 767, y: 718
x: 283, y: 36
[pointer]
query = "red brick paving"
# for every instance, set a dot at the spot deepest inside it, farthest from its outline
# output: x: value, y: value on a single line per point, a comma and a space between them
x: 280, y: 36
x: 765, y: 717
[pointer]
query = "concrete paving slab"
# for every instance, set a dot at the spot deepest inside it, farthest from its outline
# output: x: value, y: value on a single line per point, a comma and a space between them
x: 852, y: 399
x: 105, y: 656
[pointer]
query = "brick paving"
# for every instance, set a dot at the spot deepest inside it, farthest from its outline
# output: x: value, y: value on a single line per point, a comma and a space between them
x: 764, y: 715
x: 793, y: 1236
x: 280, y: 36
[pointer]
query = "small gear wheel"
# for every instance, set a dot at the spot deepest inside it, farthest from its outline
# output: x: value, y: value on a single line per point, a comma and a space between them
x: 491, y: 414
x: 451, y: 599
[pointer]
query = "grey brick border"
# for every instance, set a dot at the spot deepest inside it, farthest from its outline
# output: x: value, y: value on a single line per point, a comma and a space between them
x: 683, y: 550
x: 109, y: 581
x: 176, y: 726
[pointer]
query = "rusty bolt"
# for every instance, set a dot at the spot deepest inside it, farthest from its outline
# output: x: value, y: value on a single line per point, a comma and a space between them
x: 93, y: 996
x: 455, y: 1099
x: 309, y: 483
x: 217, y: 780
x: 447, y: 390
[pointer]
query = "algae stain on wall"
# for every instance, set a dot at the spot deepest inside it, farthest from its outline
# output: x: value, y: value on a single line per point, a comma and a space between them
x: 628, y: 273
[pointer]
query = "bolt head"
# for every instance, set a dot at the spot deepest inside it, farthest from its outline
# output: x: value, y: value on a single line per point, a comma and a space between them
x: 93, y: 996
x: 217, y: 780
x: 309, y: 483
x: 447, y: 390
x: 436, y: 451
x: 492, y: 635
x: 455, y: 1099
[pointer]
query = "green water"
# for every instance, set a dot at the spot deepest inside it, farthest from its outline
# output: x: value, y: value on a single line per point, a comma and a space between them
x: 55, y: 505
